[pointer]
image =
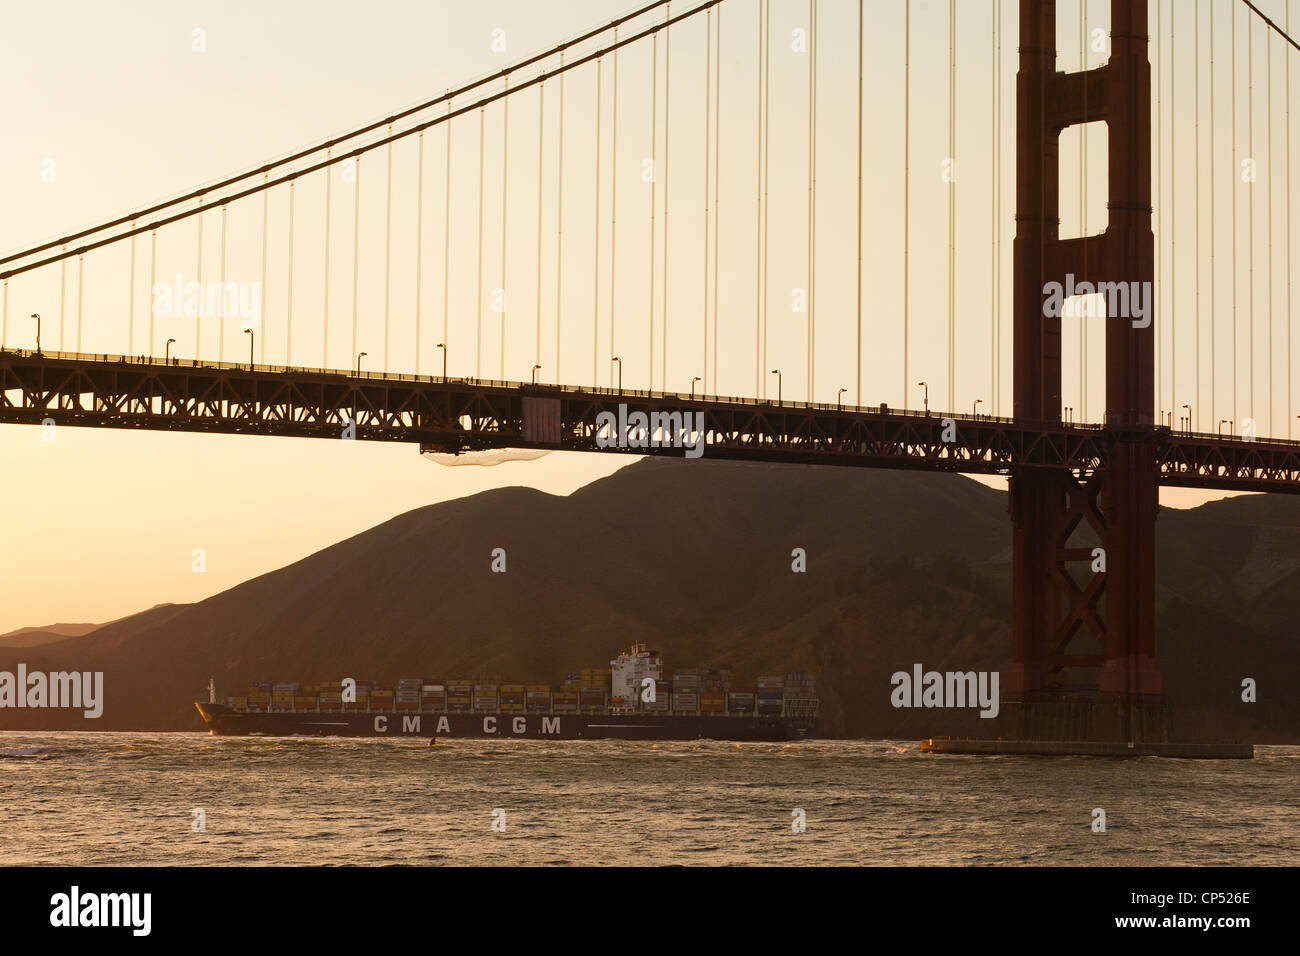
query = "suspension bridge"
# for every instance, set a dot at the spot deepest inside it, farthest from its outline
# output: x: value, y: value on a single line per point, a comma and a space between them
x: 749, y: 212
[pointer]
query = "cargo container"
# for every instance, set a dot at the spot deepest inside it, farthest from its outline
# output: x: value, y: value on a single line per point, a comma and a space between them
x: 698, y: 702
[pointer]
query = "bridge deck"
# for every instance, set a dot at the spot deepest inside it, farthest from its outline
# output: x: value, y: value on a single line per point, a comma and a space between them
x: 454, y: 415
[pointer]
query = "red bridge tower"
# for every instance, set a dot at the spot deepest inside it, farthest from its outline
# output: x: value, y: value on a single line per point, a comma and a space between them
x: 1057, y: 594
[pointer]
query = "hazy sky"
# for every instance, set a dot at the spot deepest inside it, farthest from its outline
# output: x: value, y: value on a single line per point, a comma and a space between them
x: 118, y: 109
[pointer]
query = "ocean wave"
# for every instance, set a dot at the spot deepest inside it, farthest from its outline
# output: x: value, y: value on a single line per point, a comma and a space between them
x: 40, y: 753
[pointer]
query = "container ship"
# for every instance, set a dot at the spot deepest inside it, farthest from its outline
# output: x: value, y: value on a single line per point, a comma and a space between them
x: 630, y: 700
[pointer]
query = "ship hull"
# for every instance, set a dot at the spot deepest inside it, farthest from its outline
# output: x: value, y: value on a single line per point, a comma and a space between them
x: 223, y: 721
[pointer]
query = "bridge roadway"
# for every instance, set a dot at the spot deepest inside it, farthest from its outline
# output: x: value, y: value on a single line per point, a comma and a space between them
x: 464, y: 414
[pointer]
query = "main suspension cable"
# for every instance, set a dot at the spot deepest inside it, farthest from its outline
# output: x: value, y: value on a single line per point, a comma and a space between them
x: 358, y: 151
x: 446, y: 97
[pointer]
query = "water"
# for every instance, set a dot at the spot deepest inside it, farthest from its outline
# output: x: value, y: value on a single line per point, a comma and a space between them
x: 121, y: 799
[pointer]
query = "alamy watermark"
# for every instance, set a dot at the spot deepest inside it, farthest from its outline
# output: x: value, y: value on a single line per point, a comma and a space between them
x: 1124, y: 300
x: 75, y: 909
x: 214, y: 299
x: 653, y: 430
x: 948, y: 689
x: 58, y: 689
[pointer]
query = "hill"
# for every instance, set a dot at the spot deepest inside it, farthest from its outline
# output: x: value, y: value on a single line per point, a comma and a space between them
x: 695, y: 559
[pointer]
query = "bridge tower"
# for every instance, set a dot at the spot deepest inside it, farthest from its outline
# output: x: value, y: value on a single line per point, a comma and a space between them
x: 1057, y: 593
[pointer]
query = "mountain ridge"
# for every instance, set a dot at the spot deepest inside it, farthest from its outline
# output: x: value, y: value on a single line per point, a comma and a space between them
x: 694, y: 558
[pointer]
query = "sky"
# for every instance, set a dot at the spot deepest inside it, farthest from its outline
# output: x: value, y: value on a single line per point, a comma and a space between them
x: 117, y: 111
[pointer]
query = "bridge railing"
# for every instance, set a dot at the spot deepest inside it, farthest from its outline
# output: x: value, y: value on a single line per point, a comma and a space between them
x: 374, y: 376
x: 377, y: 377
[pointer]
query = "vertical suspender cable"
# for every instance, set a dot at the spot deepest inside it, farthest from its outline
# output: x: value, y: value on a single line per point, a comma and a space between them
x: 505, y: 206
x: 1158, y: 293
x: 952, y: 203
x: 1249, y: 213
x: 4, y: 316
x: 663, y: 374
x: 996, y: 212
x: 1268, y: 111
x: 356, y: 249
x: 559, y: 229
x: 325, y: 291
x: 812, y: 235
x: 654, y: 179
x: 1173, y: 219
x: 388, y: 239
x: 1290, y: 355
x: 595, y: 257
x: 758, y: 220
x: 1232, y: 10
x: 446, y: 244
x: 63, y: 285
x: 767, y: 128
x: 203, y: 295
x: 1196, y: 271
x: 858, y: 354
x: 81, y: 275
x: 541, y: 115
x: 221, y: 319
x: 613, y: 211
x: 130, y: 320
x: 1214, y: 302
x: 1083, y: 214
x: 419, y: 242
x: 266, y: 193
x: 907, y: 173
x: 717, y: 186
x: 708, y: 120
x: 478, y: 338
x: 997, y: 228
x: 288, y: 308
x: 153, y: 264
x: 812, y: 189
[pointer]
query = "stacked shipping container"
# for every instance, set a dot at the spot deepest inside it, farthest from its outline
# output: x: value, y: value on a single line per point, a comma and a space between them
x: 694, y: 691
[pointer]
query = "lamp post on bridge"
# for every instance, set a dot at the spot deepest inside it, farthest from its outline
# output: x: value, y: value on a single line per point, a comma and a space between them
x: 926, y: 399
x: 693, y: 381
x: 1219, y: 429
x: 839, y: 399
x: 37, y: 317
x: 974, y: 411
x: 251, y: 337
x: 620, y: 371
x: 1189, y: 416
x: 167, y: 352
x: 535, y: 369
x: 443, y: 346
x: 360, y: 356
x: 777, y: 373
